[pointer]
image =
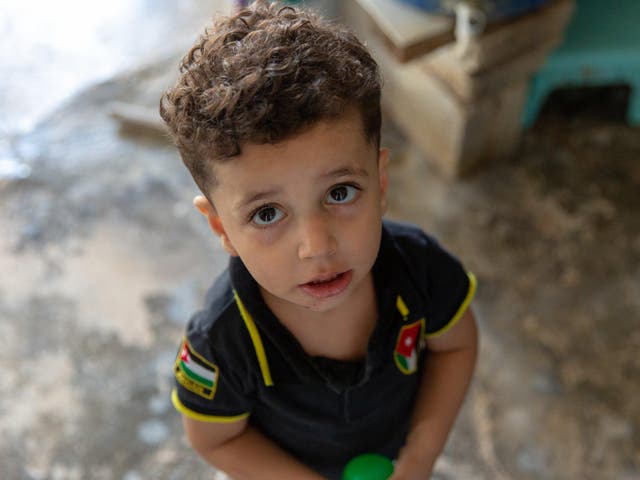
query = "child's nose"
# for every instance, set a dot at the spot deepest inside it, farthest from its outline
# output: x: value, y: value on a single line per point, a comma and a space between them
x: 316, y: 238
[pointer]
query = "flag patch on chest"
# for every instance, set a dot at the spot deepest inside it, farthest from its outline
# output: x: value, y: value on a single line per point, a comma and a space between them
x: 410, y: 342
x: 195, y: 373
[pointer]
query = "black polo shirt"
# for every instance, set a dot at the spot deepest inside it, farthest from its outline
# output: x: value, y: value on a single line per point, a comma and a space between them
x: 237, y: 360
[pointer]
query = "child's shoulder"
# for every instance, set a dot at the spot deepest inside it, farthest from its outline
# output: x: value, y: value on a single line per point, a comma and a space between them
x: 443, y: 286
x: 422, y: 256
x: 217, y: 326
x: 409, y: 236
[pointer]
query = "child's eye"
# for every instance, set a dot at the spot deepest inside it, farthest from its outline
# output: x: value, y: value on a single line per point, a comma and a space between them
x: 342, y: 194
x: 267, y: 216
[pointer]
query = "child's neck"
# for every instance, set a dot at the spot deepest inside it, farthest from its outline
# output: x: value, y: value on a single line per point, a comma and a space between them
x: 342, y: 333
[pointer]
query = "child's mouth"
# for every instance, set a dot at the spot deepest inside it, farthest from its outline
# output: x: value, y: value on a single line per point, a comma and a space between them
x: 328, y: 287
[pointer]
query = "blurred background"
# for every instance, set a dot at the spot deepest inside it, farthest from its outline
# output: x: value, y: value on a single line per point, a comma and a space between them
x: 513, y: 130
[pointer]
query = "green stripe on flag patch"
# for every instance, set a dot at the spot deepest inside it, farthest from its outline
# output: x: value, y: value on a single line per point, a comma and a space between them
x: 403, y: 361
x: 194, y: 376
x: 195, y: 373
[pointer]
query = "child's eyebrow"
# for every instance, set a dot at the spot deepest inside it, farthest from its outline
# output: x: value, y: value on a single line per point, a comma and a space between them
x: 346, y: 171
x: 253, y: 197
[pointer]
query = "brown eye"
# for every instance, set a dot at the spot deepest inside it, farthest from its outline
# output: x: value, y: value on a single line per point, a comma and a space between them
x: 342, y: 194
x: 267, y: 216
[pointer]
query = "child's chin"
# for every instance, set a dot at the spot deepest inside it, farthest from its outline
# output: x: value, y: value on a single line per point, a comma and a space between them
x: 320, y: 306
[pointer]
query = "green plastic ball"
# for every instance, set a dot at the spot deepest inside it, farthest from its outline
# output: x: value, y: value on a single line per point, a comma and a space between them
x: 369, y: 466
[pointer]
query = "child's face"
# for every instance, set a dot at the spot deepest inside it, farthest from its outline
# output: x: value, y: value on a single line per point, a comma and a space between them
x: 304, y: 215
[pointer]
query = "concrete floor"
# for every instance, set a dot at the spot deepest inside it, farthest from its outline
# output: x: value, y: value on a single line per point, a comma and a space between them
x: 103, y: 257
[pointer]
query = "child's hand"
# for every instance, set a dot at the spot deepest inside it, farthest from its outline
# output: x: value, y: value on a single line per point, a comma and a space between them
x: 412, y: 467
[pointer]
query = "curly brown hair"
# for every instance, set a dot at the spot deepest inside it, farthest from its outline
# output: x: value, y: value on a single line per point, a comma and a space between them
x: 263, y: 75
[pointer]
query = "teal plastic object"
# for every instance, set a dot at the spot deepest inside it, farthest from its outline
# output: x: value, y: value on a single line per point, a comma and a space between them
x: 601, y: 47
x: 369, y: 466
x: 497, y: 9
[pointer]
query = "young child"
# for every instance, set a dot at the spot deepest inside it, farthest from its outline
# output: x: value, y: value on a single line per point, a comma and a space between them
x: 331, y: 333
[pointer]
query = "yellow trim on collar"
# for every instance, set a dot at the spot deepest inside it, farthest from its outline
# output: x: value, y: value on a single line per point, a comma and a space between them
x: 402, y: 307
x: 201, y: 417
x: 463, y: 307
x: 257, y: 341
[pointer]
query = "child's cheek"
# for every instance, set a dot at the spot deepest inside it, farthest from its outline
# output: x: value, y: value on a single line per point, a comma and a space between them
x: 264, y: 237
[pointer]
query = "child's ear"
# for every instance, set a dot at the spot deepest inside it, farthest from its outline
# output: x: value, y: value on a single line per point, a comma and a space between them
x: 383, y: 161
x: 205, y: 208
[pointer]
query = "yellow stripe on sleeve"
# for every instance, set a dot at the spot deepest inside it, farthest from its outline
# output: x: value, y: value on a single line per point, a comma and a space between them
x: 463, y: 308
x: 257, y: 341
x: 201, y: 417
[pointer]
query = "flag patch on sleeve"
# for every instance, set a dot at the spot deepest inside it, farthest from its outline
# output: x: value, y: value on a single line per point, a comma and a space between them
x: 195, y: 373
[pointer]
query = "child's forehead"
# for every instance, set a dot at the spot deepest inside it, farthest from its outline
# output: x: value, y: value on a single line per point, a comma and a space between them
x: 330, y: 143
x: 329, y: 149
x: 341, y: 133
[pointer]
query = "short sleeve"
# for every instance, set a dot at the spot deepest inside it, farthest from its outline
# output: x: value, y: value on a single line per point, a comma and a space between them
x: 449, y: 287
x: 444, y: 286
x: 210, y: 385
